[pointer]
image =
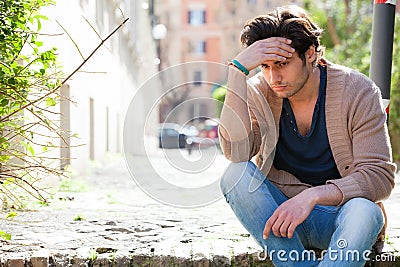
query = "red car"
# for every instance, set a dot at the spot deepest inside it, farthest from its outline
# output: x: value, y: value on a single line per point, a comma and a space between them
x: 208, y: 134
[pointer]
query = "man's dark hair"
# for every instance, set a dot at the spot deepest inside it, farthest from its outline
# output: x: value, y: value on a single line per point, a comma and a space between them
x: 291, y: 22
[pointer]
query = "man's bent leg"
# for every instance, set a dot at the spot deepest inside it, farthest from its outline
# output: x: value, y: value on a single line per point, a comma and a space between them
x: 254, y: 207
x: 358, y: 224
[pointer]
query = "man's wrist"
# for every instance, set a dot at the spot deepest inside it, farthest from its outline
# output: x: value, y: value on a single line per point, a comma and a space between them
x: 235, y: 63
x: 310, y: 194
x: 328, y: 194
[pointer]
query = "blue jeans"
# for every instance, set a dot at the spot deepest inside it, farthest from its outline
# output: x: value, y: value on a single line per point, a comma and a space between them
x: 346, y: 234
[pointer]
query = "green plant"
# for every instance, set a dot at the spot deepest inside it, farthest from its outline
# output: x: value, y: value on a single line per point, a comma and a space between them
x: 219, y: 95
x: 92, y: 257
x: 68, y: 184
x: 394, y: 117
x: 5, y: 235
x: 28, y: 76
x: 11, y: 215
x: 30, y: 90
x: 78, y: 218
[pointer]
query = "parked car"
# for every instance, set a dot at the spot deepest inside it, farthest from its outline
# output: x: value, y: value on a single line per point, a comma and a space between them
x: 208, y: 134
x: 172, y: 135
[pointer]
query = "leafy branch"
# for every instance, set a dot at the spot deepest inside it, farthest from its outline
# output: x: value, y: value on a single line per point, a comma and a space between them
x: 30, y: 90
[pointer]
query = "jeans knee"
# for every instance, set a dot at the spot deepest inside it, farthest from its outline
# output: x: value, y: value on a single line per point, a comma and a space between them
x: 233, y: 174
x: 365, y: 212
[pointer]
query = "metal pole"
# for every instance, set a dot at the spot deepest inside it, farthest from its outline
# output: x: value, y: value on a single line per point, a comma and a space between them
x: 382, y: 47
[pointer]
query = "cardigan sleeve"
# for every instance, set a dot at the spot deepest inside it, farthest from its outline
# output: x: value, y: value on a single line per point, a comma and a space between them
x: 247, y: 148
x: 371, y: 174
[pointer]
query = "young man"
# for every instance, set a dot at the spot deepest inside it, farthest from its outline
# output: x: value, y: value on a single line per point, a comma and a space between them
x: 318, y: 134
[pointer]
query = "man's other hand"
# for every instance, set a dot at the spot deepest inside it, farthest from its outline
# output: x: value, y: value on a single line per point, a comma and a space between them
x: 294, y: 211
x: 289, y: 215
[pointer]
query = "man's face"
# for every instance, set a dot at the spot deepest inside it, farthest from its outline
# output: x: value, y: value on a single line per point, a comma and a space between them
x: 286, y: 78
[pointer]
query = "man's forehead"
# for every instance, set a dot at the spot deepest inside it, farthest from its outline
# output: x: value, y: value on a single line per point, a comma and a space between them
x: 276, y: 62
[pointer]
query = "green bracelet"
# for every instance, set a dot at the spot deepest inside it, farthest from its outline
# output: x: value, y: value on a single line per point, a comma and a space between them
x: 240, y: 66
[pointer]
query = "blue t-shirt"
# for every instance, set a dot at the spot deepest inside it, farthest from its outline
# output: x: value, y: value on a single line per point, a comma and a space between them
x: 309, y: 157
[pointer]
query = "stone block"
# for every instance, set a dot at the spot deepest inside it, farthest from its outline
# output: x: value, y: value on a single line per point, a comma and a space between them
x: 77, y: 262
x: 241, y: 260
x: 177, y: 261
x: 220, y: 261
x: 14, y: 262
x: 140, y: 260
x: 101, y: 262
x: 121, y: 261
x: 201, y: 263
x: 39, y: 261
x: 39, y: 258
x: 59, y: 260
x: 260, y: 259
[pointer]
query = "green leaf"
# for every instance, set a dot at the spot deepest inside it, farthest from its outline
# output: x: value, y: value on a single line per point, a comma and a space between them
x: 4, y: 158
x: 11, y: 81
x: 4, y: 102
x: 46, y: 121
x: 39, y: 24
x: 11, y: 215
x: 50, y: 102
x: 28, y: 147
x: 5, y: 235
x: 78, y: 218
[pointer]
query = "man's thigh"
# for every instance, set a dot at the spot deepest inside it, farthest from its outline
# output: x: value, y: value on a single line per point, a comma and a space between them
x: 323, y: 221
x: 318, y: 228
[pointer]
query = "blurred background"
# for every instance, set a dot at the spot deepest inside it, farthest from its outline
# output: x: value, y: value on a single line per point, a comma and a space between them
x: 164, y: 33
x: 153, y: 91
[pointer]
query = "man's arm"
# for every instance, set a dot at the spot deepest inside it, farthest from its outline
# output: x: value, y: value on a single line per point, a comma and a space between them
x: 235, y: 120
x: 370, y: 173
x: 294, y: 211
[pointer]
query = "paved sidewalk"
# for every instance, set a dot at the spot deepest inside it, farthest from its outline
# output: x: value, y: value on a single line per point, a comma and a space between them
x: 114, y: 222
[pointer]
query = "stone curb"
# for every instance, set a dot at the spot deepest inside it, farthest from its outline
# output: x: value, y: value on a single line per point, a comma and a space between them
x: 118, y: 260
x: 108, y: 259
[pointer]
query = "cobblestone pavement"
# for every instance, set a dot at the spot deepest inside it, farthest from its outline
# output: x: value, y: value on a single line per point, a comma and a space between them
x: 108, y: 214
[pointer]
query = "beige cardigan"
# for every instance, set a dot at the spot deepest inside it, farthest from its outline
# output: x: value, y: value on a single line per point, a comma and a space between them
x: 356, y: 127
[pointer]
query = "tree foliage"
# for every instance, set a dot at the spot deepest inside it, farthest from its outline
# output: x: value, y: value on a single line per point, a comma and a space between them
x: 394, y: 118
x: 28, y: 77
x: 347, y: 26
x: 348, y: 35
x: 219, y: 95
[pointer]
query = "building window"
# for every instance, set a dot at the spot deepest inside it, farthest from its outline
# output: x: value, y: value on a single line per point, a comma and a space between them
x: 197, y: 47
x: 197, y: 17
x: 197, y: 78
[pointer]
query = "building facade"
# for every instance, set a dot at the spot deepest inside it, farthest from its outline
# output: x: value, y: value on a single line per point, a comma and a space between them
x: 101, y: 91
x: 202, y: 31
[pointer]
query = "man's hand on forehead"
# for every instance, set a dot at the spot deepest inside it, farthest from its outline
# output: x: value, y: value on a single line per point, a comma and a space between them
x: 269, y: 49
